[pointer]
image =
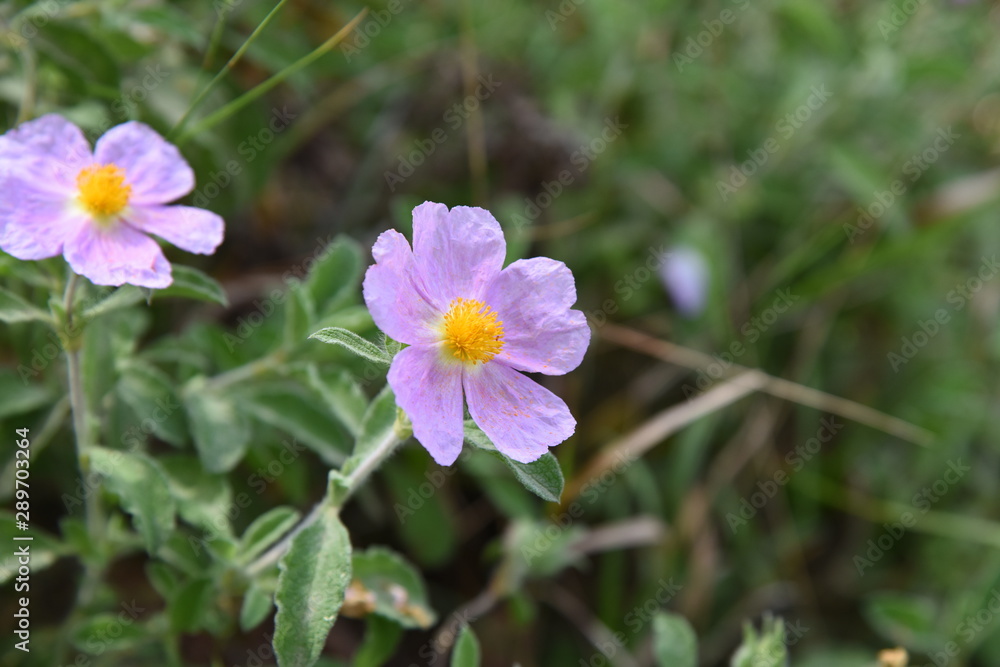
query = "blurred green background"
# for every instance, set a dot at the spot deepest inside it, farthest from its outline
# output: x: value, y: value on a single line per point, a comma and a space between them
x: 840, y: 153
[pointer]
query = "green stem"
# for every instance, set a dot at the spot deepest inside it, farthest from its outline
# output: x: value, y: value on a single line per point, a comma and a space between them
x: 225, y: 70
x: 256, y: 92
x: 249, y: 370
x: 81, y: 429
x: 353, y: 481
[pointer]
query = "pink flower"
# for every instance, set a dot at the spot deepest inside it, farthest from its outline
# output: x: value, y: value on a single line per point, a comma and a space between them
x: 97, y: 208
x: 686, y: 275
x: 471, y: 325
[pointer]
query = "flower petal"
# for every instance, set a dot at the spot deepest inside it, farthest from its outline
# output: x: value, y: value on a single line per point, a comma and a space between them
x: 153, y: 167
x: 395, y: 294
x: 459, y: 252
x: 532, y: 297
x: 52, y: 137
x: 522, y: 418
x: 430, y: 393
x: 35, y: 222
x: 118, y: 255
x: 188, y: 228
x: 686, y: 274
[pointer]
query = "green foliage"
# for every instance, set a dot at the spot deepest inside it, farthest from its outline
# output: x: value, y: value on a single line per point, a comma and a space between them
x: 314, y: 576
x: 674, y: 641
x: 543, y: 477
x: 764, y: 649
x: 142, y: 489
x: 398, y: 590
x: 466, y: 653
x: 353, y: 342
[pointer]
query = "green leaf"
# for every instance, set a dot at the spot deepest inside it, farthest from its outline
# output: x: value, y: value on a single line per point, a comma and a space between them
x: 381, y: 639
x: 190, y: 606
x: 293, y: 409
x: 377, y: 425
x: 220, y: 431
x: 535, y: 550
x: 17, y: 397
x: 123, y: 297
x: 335, y: 276
x: 764, y: 649
x: 257, y: 605
x: 119, y: 631
x: 45, y: 548
x: 150, y: 394
x: 341, y: 395
x: 81, y: 53
x: 543, y: 477
x: 265, y: 531
x: 353, y: 342
x: 674, y: 641
x: 14, y: 308
x: 399, y: 591
x: 193, y: 284
x: 163, y: 579
x: 314, y: 575
x: 203, y: 499
x: 142, y: 489
x: 300, y: 313
x: 907, y: 620
x: 466, y: 653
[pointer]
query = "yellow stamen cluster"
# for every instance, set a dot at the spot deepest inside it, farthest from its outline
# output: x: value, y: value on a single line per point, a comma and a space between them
x: 103, y: 191
x: 472, y: 332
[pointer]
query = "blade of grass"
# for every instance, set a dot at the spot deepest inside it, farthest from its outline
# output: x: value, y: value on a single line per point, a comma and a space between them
x: 216, y: 34
x: 669, y: 421
x: 259, y: 90
x: 775, y: 386
x: 941, y: 524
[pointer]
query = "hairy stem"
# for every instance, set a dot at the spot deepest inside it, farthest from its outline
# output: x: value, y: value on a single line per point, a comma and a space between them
x: 354, y: 480
x: 81, y: 430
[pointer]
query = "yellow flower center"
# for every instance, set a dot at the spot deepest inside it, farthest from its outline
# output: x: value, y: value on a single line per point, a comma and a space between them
x: 103, y: 191
x: 471, y: 331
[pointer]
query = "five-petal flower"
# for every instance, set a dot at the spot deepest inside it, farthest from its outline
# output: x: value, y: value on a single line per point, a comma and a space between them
x: 471, y: 326
x: 57, y: 197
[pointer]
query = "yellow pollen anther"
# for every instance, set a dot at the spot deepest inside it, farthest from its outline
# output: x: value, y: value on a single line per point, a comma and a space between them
x: 472, y: 332
x: 103, y: 191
